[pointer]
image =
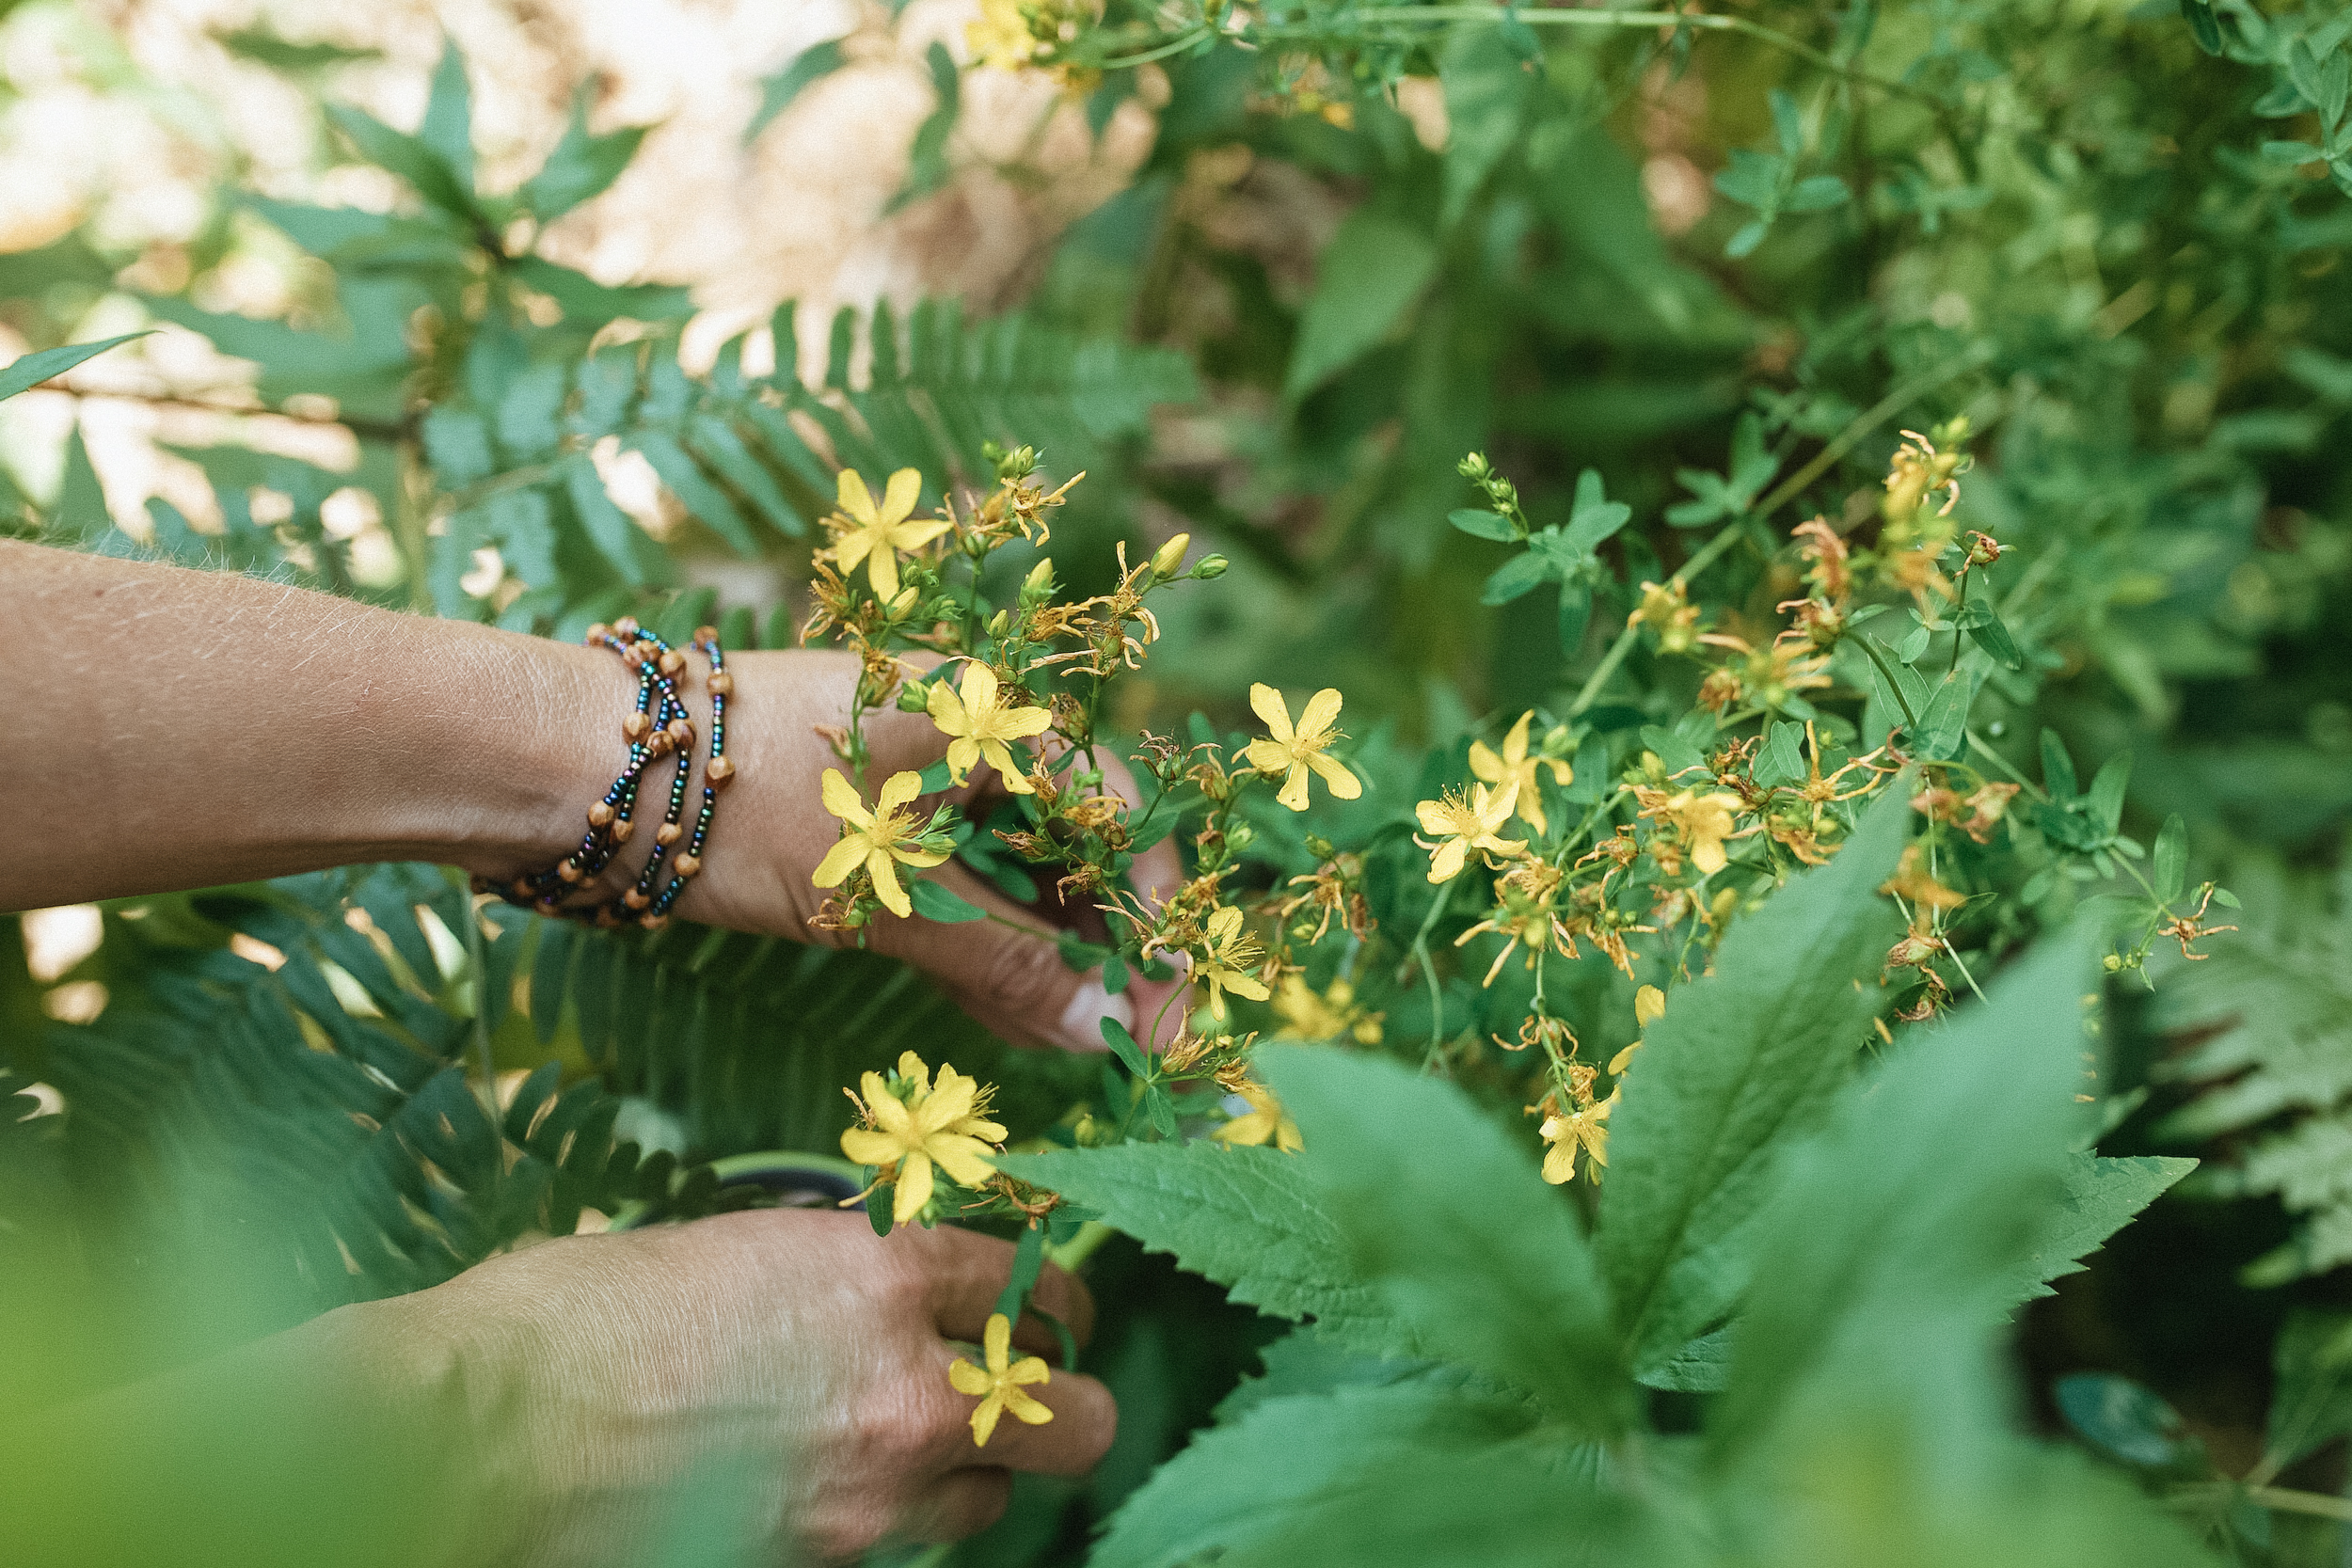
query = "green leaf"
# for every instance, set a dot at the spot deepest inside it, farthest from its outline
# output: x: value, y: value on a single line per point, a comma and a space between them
x: 2203, y: 25
x: 2171, y: 859
x: 1248, y: 1218
x: 1123, y: 1046
x: 1515, y: 578
x: 1596, y: 518
x: 777, y: 93
x: 1412, y: 1473
x: 1942, y: 732
x: 1486, y: 88
x: 938, y: 902
x: 1743, y: 1060
x: 447, y: 129
x: 1816, y: 194
x: 1901, y: 1214
x: 1482, y: 525
x: 1576, y: 613
x: 2105, y: 797
x: 2311, y: 1400
x: 587, y: 302
x: 30, y: 370
x: 1783, y: 758
x: 581, y: 167
x: 1504, y: 1283
x: 406, y: 156
x: 1985, y: 624
x: 1367, y: 278
x: 2101, y: 1197
x: 2057, y: 769
x: 2125, y: 1420
x: 928, y: 170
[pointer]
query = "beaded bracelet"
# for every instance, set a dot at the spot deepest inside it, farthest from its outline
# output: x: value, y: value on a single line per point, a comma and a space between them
x: 656, y: 728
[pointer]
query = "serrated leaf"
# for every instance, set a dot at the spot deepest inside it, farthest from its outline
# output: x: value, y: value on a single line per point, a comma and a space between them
x: 581, y: 167
x: 1248, y: 1218
x: 1743, y: 1060
x: 2101, y: 1196
x: 31, y: 370
x: 1367, y: 278
x: 1505, y: 1284
x: 1413, y: 1473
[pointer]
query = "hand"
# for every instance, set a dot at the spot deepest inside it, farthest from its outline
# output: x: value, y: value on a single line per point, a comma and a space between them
x: 792, y: 1347
x: 772, y: 829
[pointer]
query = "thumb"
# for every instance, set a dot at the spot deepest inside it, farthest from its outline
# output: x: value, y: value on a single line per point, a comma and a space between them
x: 1010, y: 977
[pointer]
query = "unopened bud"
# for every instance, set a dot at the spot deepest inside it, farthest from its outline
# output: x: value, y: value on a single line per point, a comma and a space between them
x: 1240, y: 835
x: 1984, y: 549
x: 1168, y: 557
x: 1210, y: 569
x: 998, y: 621
x: 904, y: 604
x: 913, y: 697
x: 1038, y: 585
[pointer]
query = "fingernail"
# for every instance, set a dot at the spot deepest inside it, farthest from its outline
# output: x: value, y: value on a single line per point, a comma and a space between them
x: 1082, y: 1021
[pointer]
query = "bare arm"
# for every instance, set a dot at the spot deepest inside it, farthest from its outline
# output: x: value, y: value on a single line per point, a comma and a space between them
x: 180, y: 729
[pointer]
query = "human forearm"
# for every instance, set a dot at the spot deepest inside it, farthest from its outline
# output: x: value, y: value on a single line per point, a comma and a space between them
x: 190, y: 728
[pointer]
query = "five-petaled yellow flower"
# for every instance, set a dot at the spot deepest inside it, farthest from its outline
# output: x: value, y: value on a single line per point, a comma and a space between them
x: 1292, y: 750
x: 945, y: 1125
x: 1461, y: 824
x: 1566, y: 1131
x: 878, y: 534
x: 876, y: 838
x: 999, y: 1384
x: 1229, y: 960
x: 980, y: 722
x: 1705, y: 822
x: 1266, y: 1119
x: 1516, y: 765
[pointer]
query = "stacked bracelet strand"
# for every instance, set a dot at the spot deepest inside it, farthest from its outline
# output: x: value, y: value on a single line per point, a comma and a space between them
x: 656, y: 728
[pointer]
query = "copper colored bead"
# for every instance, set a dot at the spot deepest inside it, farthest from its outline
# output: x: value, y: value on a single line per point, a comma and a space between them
x: 600, y: 815
x: 719, y: 774
x: 660, y: 745
x: 668, y: 833
x: 622, y: 829
x: 672, y: 662
x: 626, y: 628
x: 595, y: 635
x: 686, y: 866
x: 722, y: 684
x: 706, y: 634
x: 653, y: 922
x: 569, y: 870
x: 521, y: 887
x: 634, y: 655
x: 682, y: 732
x: 635, y: 899
x: 636, y: 726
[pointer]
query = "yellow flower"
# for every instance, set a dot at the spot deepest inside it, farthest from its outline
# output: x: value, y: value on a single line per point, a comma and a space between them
x: 999, y: 1384
x: 1462, y: 824
x: 1265, y: 1119
x: 999, y: 35
x: 1229, y: 960
x: 1292, y: 751
x: 1585, y: 1128
x: 1704, y: 821
x: 1914, y: 881
x: 878, y: 534
x: 982, y: 722
x: 1309, y: 1015
x: 1650, y: 1006
x: 945, y: 1126
x: 1515, y: 764
x: 875, y: 839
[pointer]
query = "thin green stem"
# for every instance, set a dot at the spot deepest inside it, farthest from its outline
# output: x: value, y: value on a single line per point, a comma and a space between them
x: 1911, y: 720
x: 2281, y: 1499
x: 1073, y: 1253
x: 2003, y: 764
x: 1429, y: 970
x: 1959, y: 637
x: 1587, y: 694
x: 1869, y: 419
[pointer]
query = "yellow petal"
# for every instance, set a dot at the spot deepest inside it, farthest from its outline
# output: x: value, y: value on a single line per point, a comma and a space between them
x: 1514, y: 744
x: 1026, y: 1409
x: 1322, y: 709
x: 1560, y: 1161
x: 979, y: 689
x: 1020, y: 723
x: 898, y: 790
x: 839, y: 861
x: 886, y: 888
x: 1223, y: 922
x: 919, y: 859
x: 1344, y: 784
x: 1245, y: 1132
x: 881, y: 570
x: 963, y: 754
x: 913, y: 1189
x: 1029, y: 1368
x: 866, y: 1147
x: 1484, y: 763
x: 1000, y: 757
x: 890, y: 1113
x: 1434, y: 816
x: 857, y: 501
x: 967, y: 1378
x: 960, y: 1157
x: 1650, y: 1006
x: 909, y: 536
x: 1268, y: 757
x: 1623, y: 1059
x: 1447, y: 862
x: 914, y: 1068
x: 951, y: 1101
x: 997, y: 1339
x: 1293, y: 791
x: 947, y: 710
x: 906, y: 489
x: 841, y: 799
x: 1244, y: 985
x: 984, y: 1420
x: 1267, y: 704
x: 1561, y: 774
x: 1708, y: 855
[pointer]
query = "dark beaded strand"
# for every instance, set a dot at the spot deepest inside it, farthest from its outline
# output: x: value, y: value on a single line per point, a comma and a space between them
x: 656, y: 728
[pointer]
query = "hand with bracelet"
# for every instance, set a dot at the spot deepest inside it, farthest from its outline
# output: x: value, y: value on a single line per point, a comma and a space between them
x: 197, y: 729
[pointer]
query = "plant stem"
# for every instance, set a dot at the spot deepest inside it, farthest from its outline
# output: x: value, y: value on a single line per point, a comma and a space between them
x: 1590, y: 692
x: 1073, y: 1253
x: 1911, y: 720
x: 2285, y: 1502
x: 1429, y: 970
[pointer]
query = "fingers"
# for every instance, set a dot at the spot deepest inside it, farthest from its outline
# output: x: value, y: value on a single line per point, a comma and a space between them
x: 965, y: 1273
x: 960, y: 1503
x: 1010, y: 979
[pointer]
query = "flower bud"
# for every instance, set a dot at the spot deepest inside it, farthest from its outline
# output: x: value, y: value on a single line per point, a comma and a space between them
x: 1240, y: 835
x: 913, y: 697
x: 1210, y: 569
x: 998, y: 621
x: 1038, y: 585
x: 903, y: 604
x: 1168, y: 557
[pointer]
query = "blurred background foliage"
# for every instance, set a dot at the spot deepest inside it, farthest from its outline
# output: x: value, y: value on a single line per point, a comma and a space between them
x: 534, y: 319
